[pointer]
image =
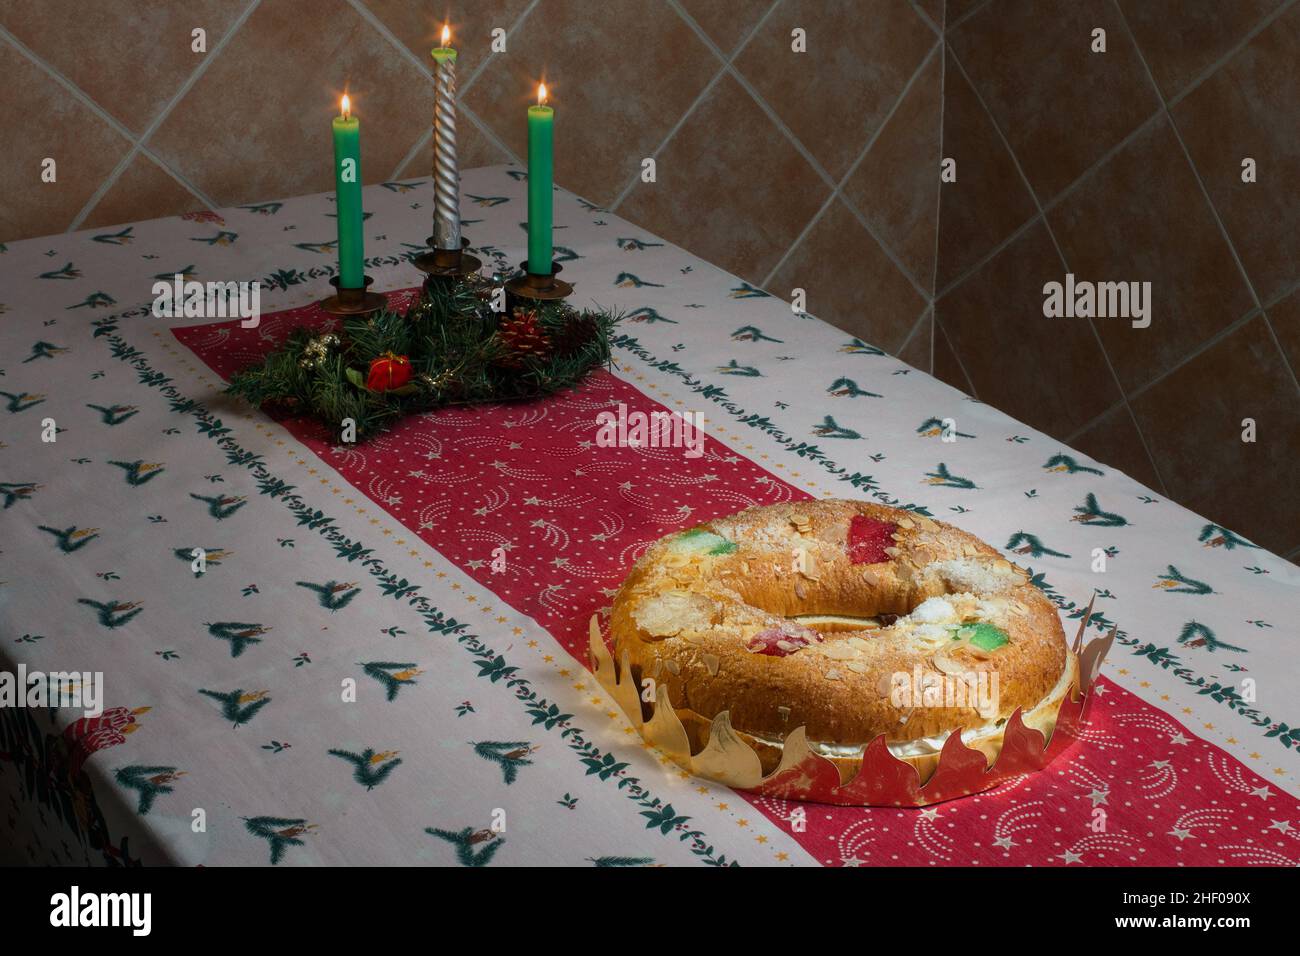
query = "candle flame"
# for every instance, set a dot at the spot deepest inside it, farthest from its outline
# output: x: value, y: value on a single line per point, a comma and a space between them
x: 347, y: 106
x: 446, y: 34
x: 541, y: 94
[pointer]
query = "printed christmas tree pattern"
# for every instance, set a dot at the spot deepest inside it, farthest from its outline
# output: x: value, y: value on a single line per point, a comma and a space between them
x: 21, y: 401
x: 847, y: 388
x: 945, y: 478
x: 1195, y: 634
x: 1217, y: 536
x: 465, y: 840
x: 113, y: 613
x: 648, y: 315
x: 856, y: 346
x: 1174, y: 582
x: 626, y: 280
x: 46, y: 350
x: 829, y: 428
x: 1064, y: 463
x: 239, y: 707
x: 212, y: 557
x: 511, y: 755
x: 934, y: 428
x: 114, y: 414
x: 71, y: 539
x: 1022, y: 543
x: 369, y: 768
x: 239, y: 635
x: 393, y: 675
x: 1091, y: 513
x: 221, y: 507
x: 332, y: 594
x: 139, y: 472
x: 735, y: 368
x: 150, y: 782
x: 279, y: 832
x: 752, y: 333
x: 17, y: 491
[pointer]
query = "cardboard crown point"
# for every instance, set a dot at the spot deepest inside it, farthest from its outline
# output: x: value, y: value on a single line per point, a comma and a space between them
x: 881, y: 778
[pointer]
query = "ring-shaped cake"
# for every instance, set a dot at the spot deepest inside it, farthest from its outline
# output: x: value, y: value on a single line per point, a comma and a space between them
x: 849, y: 619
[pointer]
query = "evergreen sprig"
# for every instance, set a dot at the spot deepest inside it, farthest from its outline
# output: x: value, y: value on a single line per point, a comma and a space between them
x: 451, y: 338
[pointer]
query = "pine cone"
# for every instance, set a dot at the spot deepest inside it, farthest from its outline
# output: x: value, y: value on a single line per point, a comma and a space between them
x: 523, y: 338
x: 579, y: 330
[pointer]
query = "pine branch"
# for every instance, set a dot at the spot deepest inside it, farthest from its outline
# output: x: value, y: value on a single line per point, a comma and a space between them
x: 451, y: 338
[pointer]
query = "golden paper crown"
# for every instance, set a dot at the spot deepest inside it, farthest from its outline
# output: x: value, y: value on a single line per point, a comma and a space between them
x: 881, y: 779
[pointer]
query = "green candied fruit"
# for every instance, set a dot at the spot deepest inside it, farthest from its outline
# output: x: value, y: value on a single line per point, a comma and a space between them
x: 987, y: 637
x: 699, y: 541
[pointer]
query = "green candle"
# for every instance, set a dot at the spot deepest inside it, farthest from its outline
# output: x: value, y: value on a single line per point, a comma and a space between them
x: 347, y: 198
x: 541, y: 124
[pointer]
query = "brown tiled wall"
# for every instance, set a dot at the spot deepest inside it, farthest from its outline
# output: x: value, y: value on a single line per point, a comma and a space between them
x: 1126, y: 166
x: 816, y: 171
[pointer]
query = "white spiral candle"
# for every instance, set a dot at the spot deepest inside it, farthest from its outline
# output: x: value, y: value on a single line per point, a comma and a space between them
x: 446, y: 174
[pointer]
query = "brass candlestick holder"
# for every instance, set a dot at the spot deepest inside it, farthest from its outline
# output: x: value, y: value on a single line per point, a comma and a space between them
x: 447, y: 266
x: 532, y: 288
x: 348, y: 302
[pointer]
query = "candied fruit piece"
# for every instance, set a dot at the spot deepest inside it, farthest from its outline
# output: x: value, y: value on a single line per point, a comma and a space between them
x: 868, y: 539
x: 776, y: 643
x: 985, y: 636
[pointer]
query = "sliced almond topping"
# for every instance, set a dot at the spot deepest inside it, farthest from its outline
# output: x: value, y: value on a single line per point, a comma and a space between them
x: 906, y: 523
x: 787, y: 646
x: 832, y: 674
x: 711, y: 662
x: 799, y: 592
x: 946, y: 664
x: 839, y: 651
x: 673, y: 667
x: 859, y: 643
x: 870, y: 577
x: 784, y: 712
x: 857, y: 667
x: 892, y: 552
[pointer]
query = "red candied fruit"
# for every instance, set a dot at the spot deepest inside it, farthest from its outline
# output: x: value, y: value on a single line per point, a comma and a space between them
x: 766, y: 643
x: 868, y: 539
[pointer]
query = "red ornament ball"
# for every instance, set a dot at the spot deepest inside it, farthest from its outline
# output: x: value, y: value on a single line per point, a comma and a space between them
x: 389, y: 371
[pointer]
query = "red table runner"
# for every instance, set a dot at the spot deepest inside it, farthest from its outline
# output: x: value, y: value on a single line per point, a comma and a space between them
x: 521, y: 499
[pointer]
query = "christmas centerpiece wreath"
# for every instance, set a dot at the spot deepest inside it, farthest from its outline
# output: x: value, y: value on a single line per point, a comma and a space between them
x: 449, y: 348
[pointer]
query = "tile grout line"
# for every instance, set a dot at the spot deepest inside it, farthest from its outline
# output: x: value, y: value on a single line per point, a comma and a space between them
x: 1214, y: 67
x: 838, y: 191
x: 960, y: 364
x: 708, y: 87
x: 411, y: 153
x: 926, y: 310
x: 1205, y: 194
x: 382, y: 29
x: 1092, y: 326
x: 489, y: 134
x: 969, y: 14
x: 1063, y: 195
x: 80, y: 96
x: 510, y: 31
x: 938, y: 199
x: 157, y: 121
x: 925, y: 18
